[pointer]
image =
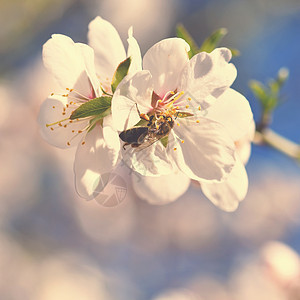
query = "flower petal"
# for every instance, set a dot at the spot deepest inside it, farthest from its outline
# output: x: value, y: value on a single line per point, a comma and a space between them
x: 202, y: 149
x: 93, y: 163
x: 108, y: 47
x: 227, y: 194
x: 233, y: 111
x: 52, y: 110
x: 133, y: 92
x: 207, y: 76
x: 165, y: 61
x: 110, y: 135
x: 160, y: 190
x: 134, y: 52
x: 65, y: 60
x: 89, y: 60
x: 243, y: 145
x: 151, y: 161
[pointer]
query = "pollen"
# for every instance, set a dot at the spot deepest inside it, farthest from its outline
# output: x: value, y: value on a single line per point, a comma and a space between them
x: 65, y: 126
x: 59, y: 124
x: 199, y: 108
x: 182, y: 141
x: 175, y: 149
x: 189, y: 98
x: 53, y: 106
x: 187, y: 106
x: 198, y: 121
x: 178, y: 124
x: 52, y: 94
x: 51, y: 128
x: 83, y: 143
x: 79, y: 131
x: 68, y: 143
x: 73, y: 131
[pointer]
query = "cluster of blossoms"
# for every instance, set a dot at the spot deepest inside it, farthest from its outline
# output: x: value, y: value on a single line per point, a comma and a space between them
x: 169, y: 118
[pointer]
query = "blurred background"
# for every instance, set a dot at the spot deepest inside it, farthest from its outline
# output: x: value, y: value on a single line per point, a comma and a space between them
x: 54, y: 245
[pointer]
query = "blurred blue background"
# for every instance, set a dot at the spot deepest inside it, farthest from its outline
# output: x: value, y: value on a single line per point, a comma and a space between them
x: 55, y: 245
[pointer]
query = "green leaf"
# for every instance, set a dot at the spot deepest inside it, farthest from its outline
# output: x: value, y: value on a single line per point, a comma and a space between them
x: 213, y: 41
x: 164, y: 141
x: 258, y: 89
x: 181, y: 32
x: 120, y: 73
x: 99, y: 107
x: 235, y: 52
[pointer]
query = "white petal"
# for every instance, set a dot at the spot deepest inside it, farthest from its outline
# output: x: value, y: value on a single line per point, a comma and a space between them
x: 207, y: 152
x: 64, y: 59
x: 233, y: 111
x: 151, y: 161
x: 227, y: 194
x: 134, y: 52
x: 243, y: 146
x: 110, y: 135
x: 160, y: 190
x: 165, y: 61
x: 132, y: 94
x: 108, y: 47
x: 53, y: 110
x: 208, y: 75
x: 89, y: 59
x: 93, y: 163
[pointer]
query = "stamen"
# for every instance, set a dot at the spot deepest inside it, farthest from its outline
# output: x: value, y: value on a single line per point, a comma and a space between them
x: 58, y: 122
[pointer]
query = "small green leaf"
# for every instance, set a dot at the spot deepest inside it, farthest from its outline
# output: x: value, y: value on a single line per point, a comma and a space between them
x: 99, y: 107
x: 120, y: 73
x: 213, y: 41
x: 258, y: 89
x: 181, y: 32
x: 164, y: 141
x: 235, y: 52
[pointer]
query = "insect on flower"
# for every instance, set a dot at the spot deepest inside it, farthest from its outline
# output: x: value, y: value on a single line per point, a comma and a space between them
x: 140, y: 137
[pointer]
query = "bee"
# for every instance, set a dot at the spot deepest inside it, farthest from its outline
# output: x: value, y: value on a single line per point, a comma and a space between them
x: 141, y: 137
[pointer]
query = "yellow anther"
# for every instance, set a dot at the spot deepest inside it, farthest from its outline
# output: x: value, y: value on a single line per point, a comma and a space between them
x: 175, y: 149
x: 182, y: 141
x: 178, y: 124
x: 189, y: 98
x: 199, y: 108
x: 197, y: 121
x: 187, y: 106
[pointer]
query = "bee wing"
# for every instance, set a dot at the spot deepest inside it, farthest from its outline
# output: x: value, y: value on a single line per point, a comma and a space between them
x: 147, y: 140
